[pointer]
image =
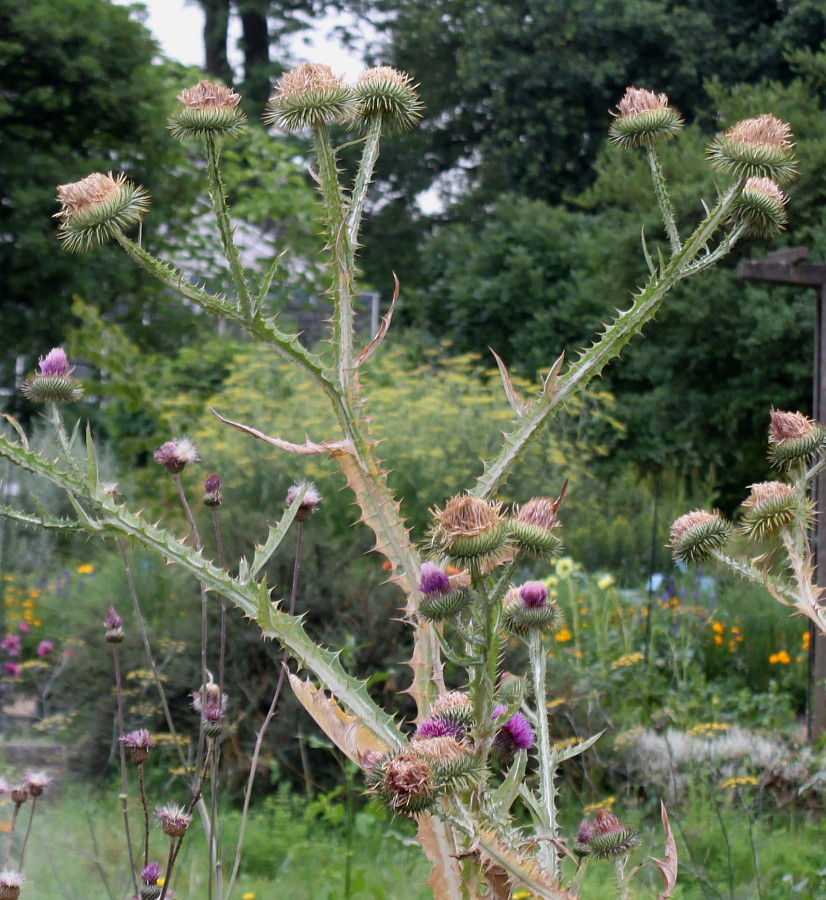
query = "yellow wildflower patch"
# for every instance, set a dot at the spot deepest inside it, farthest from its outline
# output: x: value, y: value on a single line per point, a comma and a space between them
x: 563, y: 635
x: 739, y: 782
x: 85, y: 569
x: 708, y: 729
x: 630, y: 659
x: 781, y: 657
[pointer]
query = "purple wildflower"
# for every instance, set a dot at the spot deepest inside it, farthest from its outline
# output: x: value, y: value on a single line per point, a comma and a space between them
x: 175, y: 454
x: 112, y: 620
x: 55, y: 362
x: 432, y: 579
x: 24, y: 627
x: 13, y: 669
x: 212, y: 491
x: 309, y: 502
x: 12, y: 644
x: 151, y: 873
x: 533, y: 594
x: 44, y: 648
x: 516, y: 733
x: 138, y: 743
x: 36, y: 782
x: 430, y: 728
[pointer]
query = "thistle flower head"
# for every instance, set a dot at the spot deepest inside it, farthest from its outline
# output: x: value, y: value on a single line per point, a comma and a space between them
x: 407, y: 784
x: 438, y: 727
x: 761, y: 206
x: 53, y: 382
x: 533, y: 527
x: 94, y: 209
x: 113, y: 624
x: 309, y: 96
x: 533, y: 594
x: 174, y: 455
x: 309, y: 502
x: 606, y: 837
x: 515, y: 734
x: 793, y: 438
x: 209, y: 695
x: 36, y: 782
x: 769, y: 506
x: 173, y: 819
x: 10, y: 882
x: 212, y: 491
x: 528, y: 608
x: 696, y: 535
x: 756, y: 148
x: 389, y: 95
x: 643, y: 118
x: 151, y: 873
x: 468, y: 527
x: 212, y: 721
x: 207, y: 110
x: 138, y: 743
x: 439, y: 601
x: 455, y: 706
x: 432, y: 579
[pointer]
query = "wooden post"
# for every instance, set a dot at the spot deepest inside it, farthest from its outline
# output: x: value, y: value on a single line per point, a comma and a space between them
x: 787, y: 267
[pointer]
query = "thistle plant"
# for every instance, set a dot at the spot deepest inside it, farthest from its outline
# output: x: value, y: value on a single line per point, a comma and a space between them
x: 779, y: 511
x: 479, y: 773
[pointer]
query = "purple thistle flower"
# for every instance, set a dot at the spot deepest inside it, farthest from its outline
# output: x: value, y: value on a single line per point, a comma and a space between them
x: 13, y: 669
x: 151, y: 873
x: 212, y: 491
x: 175, y: 454
x: 12, y: 644
x: 516, y: 733
x: 36, y: 782
x: 432, y: 580
x: 44, y: 648
x: 533, y: 594
x: 55, y: 362
x: 430, y: 728
x: 112, y: 620
x: 309, y: 502
x: 138, y: 743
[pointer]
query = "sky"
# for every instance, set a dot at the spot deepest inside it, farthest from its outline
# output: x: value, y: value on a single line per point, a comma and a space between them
x: 177, y: 26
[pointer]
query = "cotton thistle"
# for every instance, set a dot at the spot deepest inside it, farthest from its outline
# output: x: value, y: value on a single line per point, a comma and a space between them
x: 756, y: 148
x: 698, y: 534
x: 96, y: 208
x: 769, y: 506
x: 643, y: 118
x: 606, y: 837
x: 439, y: 600
x: 390, y: 96
x: 454, y: 706
x: 794, y: 438
x: 36, y: 782
x: 534, y: 525
x: 176, y: 454
x: 309, y: 502
x: 53, y: 381
x: 405, y: 783
x: 455, y: 767
x: 310, y: 96
x: 761, y: 207
x: 529, y: 608
x: 515, y: 734
x: 113, y: 624
x: 207, y: 110
x: 469, y: 528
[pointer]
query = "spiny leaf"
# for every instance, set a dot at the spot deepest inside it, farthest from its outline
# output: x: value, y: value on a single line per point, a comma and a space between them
x: 520, y: 868
x: 17, y: 427
x: 44, y: 520
x: 517, y: 403
x: 667, y: 867
x: 575, y: 749
x: 91, y: 461
x: 275, y: 536
x: 345, y: 731
x: 436, y: 839
x: 308, y: 448
x: 384, y: 325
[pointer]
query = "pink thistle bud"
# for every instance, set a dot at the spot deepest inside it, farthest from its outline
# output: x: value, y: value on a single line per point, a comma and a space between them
x: 175, y: 454
x: 212, y: 491
x: 533, y: 594
x: 309, y: 502
x: 113, y: 624
x: 432, y: 579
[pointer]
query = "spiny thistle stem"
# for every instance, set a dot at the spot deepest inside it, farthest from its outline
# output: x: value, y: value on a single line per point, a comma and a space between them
x: 367, y: 165
x: 548, y: 855
x: 219, y: 206
x: 259, y: 739
x: 619, y: 877
x: 56, y: 421
x: 663, y: 200
x: 124, y: 787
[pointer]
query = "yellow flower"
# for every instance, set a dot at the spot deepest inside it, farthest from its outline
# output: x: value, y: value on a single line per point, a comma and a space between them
x: 630, y: 659
x: 565, y: 567
x: 521, y: 894
x: 781, y: 657
x: 739, y: 782
x: 563, y: 635
x: 708, y: 729
x: 806, y: 639
x: 718, y: 627
x: 248, y: 896
x: 552, y: 704
x: 605, y: 803
x: 605, y: 582
x: 85, y: 569
x: 160, y: 881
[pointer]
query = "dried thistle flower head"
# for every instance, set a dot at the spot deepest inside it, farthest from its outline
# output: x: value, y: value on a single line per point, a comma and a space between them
x: 207, y: 110
x: 10, y: 882
x: 407, y: 784
x: 173, y: 819
x: 389, y: 96
x: 309, y: 502
x: 96, y: 208
x: 643, y: 118
x: 696, y: 535
x: 176, y: 454
x: 770, y: 506
x: 309, y: 96
x: 533, y: 527
x: 756, y: 148
x: 468, y: 527
x: 36, y: 782
x: 794, y: 438
x: 761, y: 206
x: 53, y: 381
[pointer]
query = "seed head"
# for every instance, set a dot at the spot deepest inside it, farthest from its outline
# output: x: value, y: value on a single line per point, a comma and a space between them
x: 756, y: 148
x: 408, y: 784
x: 36, y: 782
x: 309, y: 502
x: 174, y: 455
x: 469, y: 527
x: 173, y: 819
x: 769, y: 506
x: 793, y: 438
x: 10, y: 882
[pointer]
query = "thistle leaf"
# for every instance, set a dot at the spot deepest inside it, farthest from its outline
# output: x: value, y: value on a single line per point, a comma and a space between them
x: 274, y: 538
x: 436, y: 839
x: 91, y: 461
x: 384, y: 325
x: 517, y: 403
x: 667, y: 867
x: 575, y: 749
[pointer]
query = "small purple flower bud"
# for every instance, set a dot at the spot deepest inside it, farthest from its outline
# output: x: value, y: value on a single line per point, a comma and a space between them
x: 533, y: 594
x: 585, y: 831
x: 151, y: 873
x: 212, y: 491
x: 114, y: 627
x: 175, y: 454
x: 44, y: 648
x: 309, y: 503
x: 55, y: 362
x: 432, y: 579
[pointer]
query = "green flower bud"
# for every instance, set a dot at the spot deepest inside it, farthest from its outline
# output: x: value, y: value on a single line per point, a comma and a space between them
x: 794, y: 438
x: 207, y: 109
x: 643, y: 118
x: 454, y: 766
x: 96, y: 208
x: 533, y: 527
x: 697, y: 534
x: 762, y: 207
x: 309, y: 96
x: 769, y: 506
x: 756, y: 148
x: 389, y: 95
